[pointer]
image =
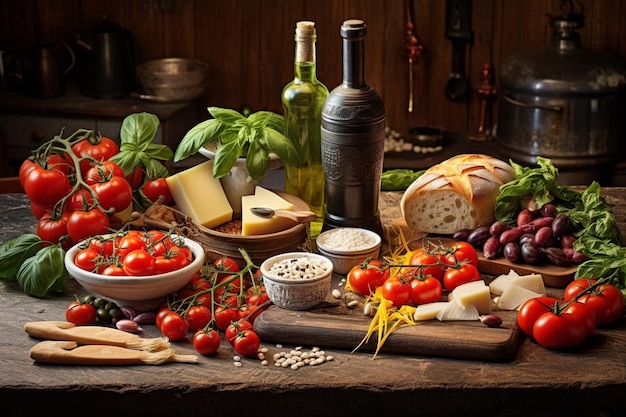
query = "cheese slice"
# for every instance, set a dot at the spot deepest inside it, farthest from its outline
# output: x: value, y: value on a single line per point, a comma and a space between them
x: 251, y: 224
x: 452, y: 311
x: 199, y: 195
x: 532, y: 282
x: 476, y: 294
x: 428, y: 311
x: 514, y: 296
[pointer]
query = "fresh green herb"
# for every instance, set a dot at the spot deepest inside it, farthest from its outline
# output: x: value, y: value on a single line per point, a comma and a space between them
x: 539, y: 185
x: 606, y: 260
x: 44, y: 273
x: 137, y: 147
x: 593, y: 216
x: 14, y: 252
x: 398, y: 179
x: 233, y: 135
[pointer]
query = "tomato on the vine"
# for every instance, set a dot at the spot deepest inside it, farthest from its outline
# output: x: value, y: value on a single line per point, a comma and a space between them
x: 114, y: 193
x: 425, y: 290
x: 54, y: 230
x: 531, y: 310
x: 198, y: 316
x: 247, y: 343
x: 460, y: 274
x: 82, y: 224
x: 461, y: 252
x: 397, y: 289
x: 256, y: 295
x: 606, y: 300
x: 427, y: 262
x: 139, y: 262
x: 102, y: 150
x: 234, y: 328
x: 103, y: 172
x: 223, y: 316
x: 87, y: 259
x: 174, y: 326
x: 80, y: 313
x: 559, y: 331
x: 153, y: 189
x: 367, y: 276
x: 45, y: 187
x: 206, y: 342
x: 226, y: 265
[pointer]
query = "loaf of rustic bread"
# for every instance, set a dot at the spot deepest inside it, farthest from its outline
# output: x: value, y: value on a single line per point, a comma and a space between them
x: 455, y: 194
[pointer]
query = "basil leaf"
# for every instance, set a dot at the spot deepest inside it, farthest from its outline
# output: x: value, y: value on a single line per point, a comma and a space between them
x: 225, y: 158
x: 138, y: 130
x: 14, y: 252
x: 398, y: 179
x: 282, y: 146
x: 257, y: 161
x: 199, y: 135
x: 225, y: 116
x: 44, y: 273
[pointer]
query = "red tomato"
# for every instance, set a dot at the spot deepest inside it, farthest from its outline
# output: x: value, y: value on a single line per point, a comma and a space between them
x: 139, y: 262
x: 135, y: 178
x: 206, y: 342
x: 166, y: 263
x: 153, y: 189
x: 99, y: 149
x: 234, y: 328
x: 531, y: 310
x: 173, y: 326
x: 80, y: 313
x: 45, y: 187
x: 129, y: 243
x: 104, y: 247
x: 461, y: 252
x: 256, y: 295
x: 425, y: 290
x: 421, y: 258
x: 606, y: 300
x: 83, y: 224
x: 163, y: 311
x: 113, y: 270
x: 366, y: 277
x: 103, y: 172
x: 27, y: 166
x: 226, y: 265
x: 115, y: 193
x: 224, y: 316
x: 247, y: 343
x: 81, y: 200
x: 53, y: 231
x: 59, y: 163
x: 87, y: 259
x: 586, y: 315
x: 559, y: 331
x: 38, y: 212
x: 198, y: 317
x: 455, y: 276
x: 397, y: 290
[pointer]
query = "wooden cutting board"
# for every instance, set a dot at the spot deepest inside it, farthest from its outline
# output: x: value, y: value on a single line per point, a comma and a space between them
x: 331, y: 327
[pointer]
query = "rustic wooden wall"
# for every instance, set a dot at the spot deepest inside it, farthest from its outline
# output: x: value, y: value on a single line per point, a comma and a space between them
x: 249, y: 43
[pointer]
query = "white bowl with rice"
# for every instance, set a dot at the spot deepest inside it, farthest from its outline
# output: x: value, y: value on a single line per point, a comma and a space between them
x: 347, y: 247
x: 297, y: 280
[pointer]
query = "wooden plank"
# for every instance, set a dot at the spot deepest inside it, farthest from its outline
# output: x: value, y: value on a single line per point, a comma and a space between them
x: 332, y: 327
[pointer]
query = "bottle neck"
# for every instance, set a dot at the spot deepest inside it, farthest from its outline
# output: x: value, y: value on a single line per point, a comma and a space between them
x: 353, y: 34
x: 304, y: 65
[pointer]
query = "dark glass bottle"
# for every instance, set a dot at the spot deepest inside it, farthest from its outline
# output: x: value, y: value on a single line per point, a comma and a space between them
x: 353, y: 138
x: 302, y: 100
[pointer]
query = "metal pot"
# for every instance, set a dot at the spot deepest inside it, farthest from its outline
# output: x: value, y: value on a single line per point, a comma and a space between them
x: 105, y: 59
x: 564, y: 103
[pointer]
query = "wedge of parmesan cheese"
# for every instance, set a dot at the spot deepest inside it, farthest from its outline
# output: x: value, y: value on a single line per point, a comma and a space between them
x: 473, y: 294
x: 428, y: 311
x: 514, y: 296
x: 452, y: 311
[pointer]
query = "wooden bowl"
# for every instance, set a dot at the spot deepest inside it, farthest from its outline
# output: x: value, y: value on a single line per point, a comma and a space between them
x: 259, y: 247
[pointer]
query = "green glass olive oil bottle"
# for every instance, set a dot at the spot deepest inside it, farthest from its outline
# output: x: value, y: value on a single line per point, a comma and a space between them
x: 303, y: 99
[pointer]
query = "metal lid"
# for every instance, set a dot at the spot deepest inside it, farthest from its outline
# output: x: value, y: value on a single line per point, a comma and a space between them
x: 565, y: 67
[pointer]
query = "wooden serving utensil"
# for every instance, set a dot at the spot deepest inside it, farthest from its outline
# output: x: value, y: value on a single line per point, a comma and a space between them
x: 300, y: 216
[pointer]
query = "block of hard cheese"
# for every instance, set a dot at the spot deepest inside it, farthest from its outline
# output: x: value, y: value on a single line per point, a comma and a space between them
x: 251, y: 224
x: 199, y: 195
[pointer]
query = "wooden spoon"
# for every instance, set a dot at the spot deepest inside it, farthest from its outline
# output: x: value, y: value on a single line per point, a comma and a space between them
x: 300, y: 216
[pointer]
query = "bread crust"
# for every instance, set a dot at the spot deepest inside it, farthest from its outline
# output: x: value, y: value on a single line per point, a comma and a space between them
x: 458, y: 193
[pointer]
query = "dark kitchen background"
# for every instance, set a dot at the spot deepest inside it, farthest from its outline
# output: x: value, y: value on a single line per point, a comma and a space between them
x: 250, y: 49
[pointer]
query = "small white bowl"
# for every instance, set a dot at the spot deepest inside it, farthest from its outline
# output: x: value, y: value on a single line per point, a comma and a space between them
x: 297, y: 293
x: 144, y: 293
x: 347, y: 247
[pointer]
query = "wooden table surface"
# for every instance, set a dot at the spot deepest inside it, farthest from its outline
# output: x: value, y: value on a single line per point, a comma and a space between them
x: 586, y: 381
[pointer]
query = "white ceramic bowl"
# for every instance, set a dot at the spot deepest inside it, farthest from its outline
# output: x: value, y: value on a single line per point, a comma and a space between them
x: 297, y: 293
x: 348, y: 246
x: 142, y: 292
